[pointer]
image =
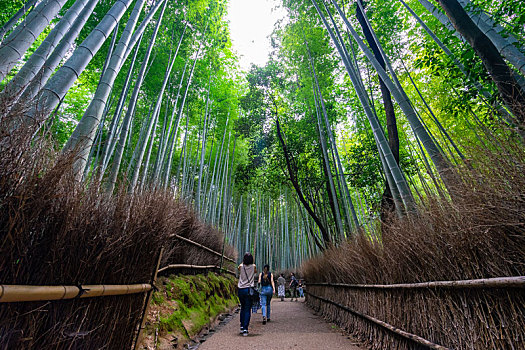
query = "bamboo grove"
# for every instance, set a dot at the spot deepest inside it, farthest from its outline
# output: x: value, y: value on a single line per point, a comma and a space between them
x: 145, y: 94
x: 398, y: 97
x: 364, y: 111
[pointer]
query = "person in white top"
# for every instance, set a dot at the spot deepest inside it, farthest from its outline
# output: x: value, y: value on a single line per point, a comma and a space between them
x: 247, y: 271
x: 281, y: 282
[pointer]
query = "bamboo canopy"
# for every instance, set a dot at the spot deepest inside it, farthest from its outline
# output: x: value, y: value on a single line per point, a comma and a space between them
x: 497, y: 282
x: 17, y: 293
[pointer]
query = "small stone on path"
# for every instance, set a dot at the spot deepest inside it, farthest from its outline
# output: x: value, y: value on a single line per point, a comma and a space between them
x: 292, y: 326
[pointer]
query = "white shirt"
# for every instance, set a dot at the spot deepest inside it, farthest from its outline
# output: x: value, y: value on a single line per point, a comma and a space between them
x: 246, y: 276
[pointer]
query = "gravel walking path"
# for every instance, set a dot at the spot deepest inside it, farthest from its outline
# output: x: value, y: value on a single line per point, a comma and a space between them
x: 292, y: 326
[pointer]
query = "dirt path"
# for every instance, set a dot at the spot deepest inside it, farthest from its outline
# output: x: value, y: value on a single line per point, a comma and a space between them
x: 292, y: 326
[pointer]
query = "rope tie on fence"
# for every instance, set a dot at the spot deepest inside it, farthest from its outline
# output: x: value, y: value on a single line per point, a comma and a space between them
x: 81, y: 291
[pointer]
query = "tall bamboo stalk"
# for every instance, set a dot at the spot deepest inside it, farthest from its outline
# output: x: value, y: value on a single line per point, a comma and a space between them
x: 131, y: 108
x: 399, y: 179
x: 82, y: 138
x: 16, y: 17
x: 35, y: 62
x: 33, y: 87
x: 58, y: 85
x: 16, y: 44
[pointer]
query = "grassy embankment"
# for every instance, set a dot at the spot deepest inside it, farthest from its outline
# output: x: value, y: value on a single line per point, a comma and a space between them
x: 185, y: 305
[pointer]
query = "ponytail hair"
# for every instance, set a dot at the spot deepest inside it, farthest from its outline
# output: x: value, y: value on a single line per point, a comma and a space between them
x: 266, y: 272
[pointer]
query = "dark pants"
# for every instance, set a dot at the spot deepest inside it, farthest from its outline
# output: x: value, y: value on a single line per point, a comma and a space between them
x: 293, y: 292
x: 246, y: 304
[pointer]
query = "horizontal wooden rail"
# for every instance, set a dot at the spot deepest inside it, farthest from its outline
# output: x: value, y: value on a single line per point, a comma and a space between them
x: 387, y: 326
x: 203, y: 247
x: 16, y: 293
x: 497, y: 282
x: 19, y: 293
x: 194, y: 267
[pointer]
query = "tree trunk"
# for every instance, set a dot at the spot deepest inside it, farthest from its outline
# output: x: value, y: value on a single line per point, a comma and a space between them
x: 347, y: 202
x: 207, y: 115
x: 387, y: 200
x: 156, y: 110
x: 180, y: 111
x: 445, y: 170
x: 332, y: 195
x: 170, y: 137
x: 295, y: 183
x: 381, y: 140
x: 444, y: 20
x: 111, y: 140
x: 505, y: 45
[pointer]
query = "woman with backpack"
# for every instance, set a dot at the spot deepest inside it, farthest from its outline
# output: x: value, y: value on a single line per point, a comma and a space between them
x: 293, y: 286
x: 246, y: 285
x: 267, y: 288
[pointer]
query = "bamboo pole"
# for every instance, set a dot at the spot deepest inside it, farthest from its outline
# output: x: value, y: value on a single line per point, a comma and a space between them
x: 193, y: 267
x: 147, y: 300
x: 413, y: 337
x: 18, y: 293
x: 202, y: 246
x: 497, y: 282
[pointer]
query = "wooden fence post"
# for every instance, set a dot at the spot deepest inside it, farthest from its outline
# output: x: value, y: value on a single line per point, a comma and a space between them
x: 222, y: 253
x: 148, y: 300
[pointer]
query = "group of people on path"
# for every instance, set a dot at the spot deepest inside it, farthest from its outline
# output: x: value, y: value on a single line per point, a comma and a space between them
x: 247, y: 291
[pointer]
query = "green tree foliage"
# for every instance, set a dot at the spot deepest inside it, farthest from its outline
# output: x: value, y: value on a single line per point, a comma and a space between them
x: 243, y: 173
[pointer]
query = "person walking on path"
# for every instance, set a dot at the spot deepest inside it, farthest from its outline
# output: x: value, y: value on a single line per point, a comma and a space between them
x: 293, y: 287
x: 294, y: 326
x: 247, y: 271
x: 281, y: 282
x: 300, y: 289
x: 267, y: 289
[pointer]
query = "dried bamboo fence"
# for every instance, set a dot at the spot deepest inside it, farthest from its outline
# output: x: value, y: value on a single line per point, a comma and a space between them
x: 56, y: 231
x: 29, y: 293
x: 75, y: 310
x: 465, y: 314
